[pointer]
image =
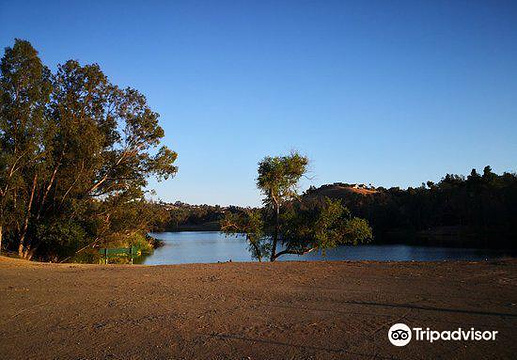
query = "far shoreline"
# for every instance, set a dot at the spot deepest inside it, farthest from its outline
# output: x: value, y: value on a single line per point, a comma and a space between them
x: 447, y: 238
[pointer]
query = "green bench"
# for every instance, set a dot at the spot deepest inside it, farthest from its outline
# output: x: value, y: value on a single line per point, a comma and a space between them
x: 130, y: 252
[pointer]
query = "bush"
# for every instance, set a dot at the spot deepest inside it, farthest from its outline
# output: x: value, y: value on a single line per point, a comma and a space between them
x: 59, y: 239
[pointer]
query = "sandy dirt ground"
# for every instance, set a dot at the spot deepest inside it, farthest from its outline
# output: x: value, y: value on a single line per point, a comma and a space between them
x: 285, y: 310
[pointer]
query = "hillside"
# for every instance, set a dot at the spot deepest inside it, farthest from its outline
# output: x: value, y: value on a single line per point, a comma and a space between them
x: 340, y: 190
x: 473, y: 210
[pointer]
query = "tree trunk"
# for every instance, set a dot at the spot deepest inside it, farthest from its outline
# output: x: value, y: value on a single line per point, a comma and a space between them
x: 49, y: 186
x: 295, y: 252
x: 277, y: 230
x: 1, y: 232
x: 29, y: 253
x: 22, y: 251
x: 257, y: 250
x: 21, y: 246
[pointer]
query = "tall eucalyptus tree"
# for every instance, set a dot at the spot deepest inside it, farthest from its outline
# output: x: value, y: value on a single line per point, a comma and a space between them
x: 74, y: 146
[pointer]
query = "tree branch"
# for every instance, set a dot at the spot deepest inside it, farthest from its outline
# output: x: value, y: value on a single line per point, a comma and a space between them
x: 295, y: 252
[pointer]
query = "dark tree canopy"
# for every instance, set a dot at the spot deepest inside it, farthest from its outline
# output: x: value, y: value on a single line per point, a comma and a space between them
x: 76, y: 149
x: 479, y: 209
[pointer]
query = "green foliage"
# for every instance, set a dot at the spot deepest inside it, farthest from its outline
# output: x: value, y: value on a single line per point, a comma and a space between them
x: 60, y: 238
x: 142, y: 242
x: 300, y: 226
x: 357, y: 230
x: 137, y: 239
x: 25, y: 87
x: 88, y: 256
x: 278, y: 176
x: 76, y: 149
x: 309, y: 225
x: 323, y: 225
x: 250, y: 222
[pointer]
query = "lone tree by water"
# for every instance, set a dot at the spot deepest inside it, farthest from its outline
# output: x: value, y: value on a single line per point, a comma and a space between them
x: 300, y: 226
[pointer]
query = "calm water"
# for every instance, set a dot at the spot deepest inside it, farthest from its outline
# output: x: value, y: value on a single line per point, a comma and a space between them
x: 211, y: 247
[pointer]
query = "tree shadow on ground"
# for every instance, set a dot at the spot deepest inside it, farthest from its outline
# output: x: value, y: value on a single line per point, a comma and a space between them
x: 430, y: 308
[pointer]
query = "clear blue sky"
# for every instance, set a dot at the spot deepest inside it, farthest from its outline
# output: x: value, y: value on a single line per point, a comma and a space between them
x: 392, y: 93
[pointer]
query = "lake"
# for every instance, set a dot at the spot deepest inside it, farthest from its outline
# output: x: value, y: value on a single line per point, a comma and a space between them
x: 213, y: 247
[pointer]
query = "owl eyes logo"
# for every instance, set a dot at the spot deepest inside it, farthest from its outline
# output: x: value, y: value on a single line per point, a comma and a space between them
x: 399, y: 334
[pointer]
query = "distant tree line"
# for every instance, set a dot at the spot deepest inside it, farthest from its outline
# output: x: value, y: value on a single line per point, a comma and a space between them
x: 184, y: 216
x: 76, y: 153
x: 479, y: 204
x: 473, y: 208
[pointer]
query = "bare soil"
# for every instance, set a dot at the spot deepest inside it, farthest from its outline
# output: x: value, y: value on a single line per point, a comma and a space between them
x: 285, y: 310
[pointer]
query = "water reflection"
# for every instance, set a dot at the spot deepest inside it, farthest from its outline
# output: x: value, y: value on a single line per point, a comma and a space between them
x: 212, y: 247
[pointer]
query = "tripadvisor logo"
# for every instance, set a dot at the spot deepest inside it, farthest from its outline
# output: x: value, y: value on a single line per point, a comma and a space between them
x: 400, y: 334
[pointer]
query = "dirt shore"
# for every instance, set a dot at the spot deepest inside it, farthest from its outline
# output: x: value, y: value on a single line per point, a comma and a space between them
x: 285, y: 310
